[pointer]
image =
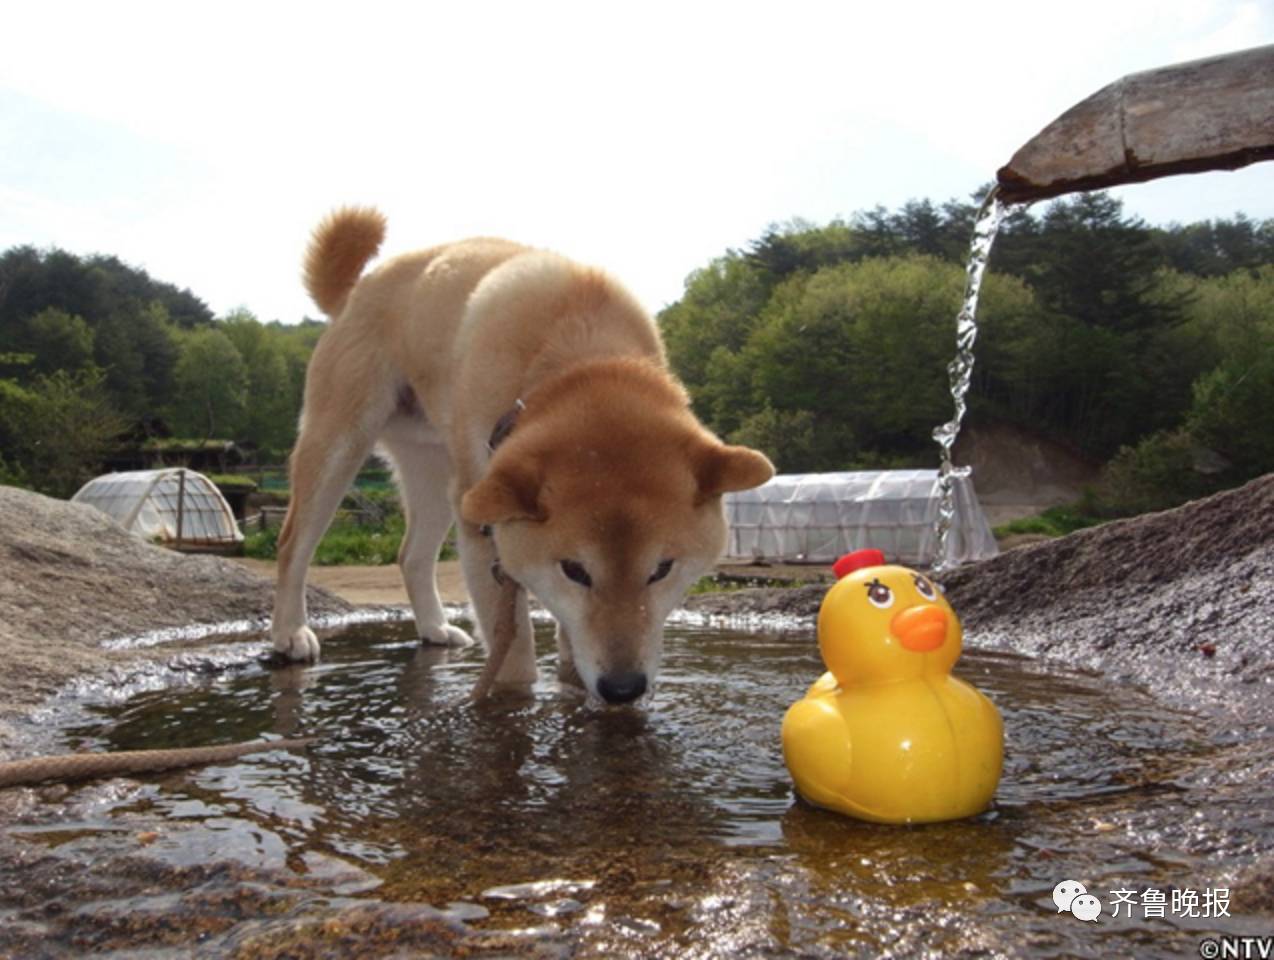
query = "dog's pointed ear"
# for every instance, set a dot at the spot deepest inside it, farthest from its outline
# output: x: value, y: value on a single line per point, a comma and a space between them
x: 721, y: 468
x: 510, y: 491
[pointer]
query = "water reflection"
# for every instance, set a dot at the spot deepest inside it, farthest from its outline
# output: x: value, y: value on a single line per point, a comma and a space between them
x: 675, y: 822
x: 909, y: 866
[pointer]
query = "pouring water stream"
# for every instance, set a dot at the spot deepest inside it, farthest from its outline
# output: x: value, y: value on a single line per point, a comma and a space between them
x: 1209, y: 114
x: 960, y: 371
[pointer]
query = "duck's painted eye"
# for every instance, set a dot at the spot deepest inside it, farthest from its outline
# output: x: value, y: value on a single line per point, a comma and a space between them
x: 925, y: 588
x: 880, y: 595
x: 574, y: 570
x: 661, y: 571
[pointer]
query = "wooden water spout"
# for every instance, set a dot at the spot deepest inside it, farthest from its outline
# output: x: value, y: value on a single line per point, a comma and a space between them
x: 1211, y: 114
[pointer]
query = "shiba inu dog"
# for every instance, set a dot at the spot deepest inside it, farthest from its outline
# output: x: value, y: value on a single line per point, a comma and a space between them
x: 525, y: 399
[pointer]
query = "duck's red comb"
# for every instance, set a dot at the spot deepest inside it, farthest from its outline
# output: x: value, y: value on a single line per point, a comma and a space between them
x: 856, y: 561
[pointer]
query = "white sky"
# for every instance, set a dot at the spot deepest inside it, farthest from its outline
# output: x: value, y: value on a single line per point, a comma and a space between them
x: 204, y: 143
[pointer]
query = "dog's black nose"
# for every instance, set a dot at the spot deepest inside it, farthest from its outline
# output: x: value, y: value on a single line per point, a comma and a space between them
x: 621, y: 687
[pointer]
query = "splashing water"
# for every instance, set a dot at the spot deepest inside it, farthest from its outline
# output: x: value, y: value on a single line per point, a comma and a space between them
x: 960, y: 370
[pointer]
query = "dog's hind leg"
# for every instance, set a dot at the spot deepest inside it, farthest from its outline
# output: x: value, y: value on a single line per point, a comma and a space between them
x: 322, y: 469
x: 333, y: 444
x: 423, y: 470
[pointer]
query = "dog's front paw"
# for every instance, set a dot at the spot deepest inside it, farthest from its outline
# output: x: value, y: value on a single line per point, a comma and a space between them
x: 445, y: 635
x: 300, y: 646
x: 515, y: 673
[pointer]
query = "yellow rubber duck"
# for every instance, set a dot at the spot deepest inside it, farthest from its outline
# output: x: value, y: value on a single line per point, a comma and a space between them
x: 887, y: 734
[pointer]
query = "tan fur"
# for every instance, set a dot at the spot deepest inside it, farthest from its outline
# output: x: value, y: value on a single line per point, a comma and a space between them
x: 341, y: 246
x: 606, y: 469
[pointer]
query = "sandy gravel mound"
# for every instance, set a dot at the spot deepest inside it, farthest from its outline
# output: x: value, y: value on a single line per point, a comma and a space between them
x: 70, y: 578
x: 1181, y: 601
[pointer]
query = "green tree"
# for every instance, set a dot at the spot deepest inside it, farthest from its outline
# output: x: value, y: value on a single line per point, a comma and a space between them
x: 15, y: 403
x: 60, y: 426
x: 1115, y: 328
x: 1097, y: 266
x: 58, y: 341
x: 137, y: 348
x: 271, y: 411
x: 212, y: 386
x: 297, y: 343
x: 1215, y: 248
x: 828, y: 343
x: 1224, y: 438
x: 787, y: 436
x: 129, y: 316
x: 801, y: 247
x: 863, y: 347
x: 860, y: 350
x: 155, y: 340
x: 718, y: 311
x: 1233, y: 405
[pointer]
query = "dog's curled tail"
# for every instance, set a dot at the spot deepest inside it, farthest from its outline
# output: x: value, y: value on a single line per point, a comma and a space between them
x: 339, y: 248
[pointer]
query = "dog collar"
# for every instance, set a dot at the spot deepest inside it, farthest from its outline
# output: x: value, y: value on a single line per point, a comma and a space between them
x: 504, y: 426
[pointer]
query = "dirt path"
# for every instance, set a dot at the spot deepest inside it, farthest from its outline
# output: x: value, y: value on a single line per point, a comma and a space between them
x: 370, y: 586
x: 383, y: 585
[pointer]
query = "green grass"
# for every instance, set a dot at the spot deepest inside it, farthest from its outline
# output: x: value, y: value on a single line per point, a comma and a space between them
x: 371, y: 481
x: 275, y: 482
x: 183, y: 444
x: 1053, y: 522
x: 347, y: 544
x: 226, y: 482
x: 262, y: 544
x: 344, y: 544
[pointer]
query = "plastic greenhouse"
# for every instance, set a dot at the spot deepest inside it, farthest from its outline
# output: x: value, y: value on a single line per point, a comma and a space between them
x: 176, y: 507
x: 817, y: 517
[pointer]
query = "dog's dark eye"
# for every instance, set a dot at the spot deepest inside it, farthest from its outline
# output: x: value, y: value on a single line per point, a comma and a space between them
x: 574, y: 570
x: 661, y: 571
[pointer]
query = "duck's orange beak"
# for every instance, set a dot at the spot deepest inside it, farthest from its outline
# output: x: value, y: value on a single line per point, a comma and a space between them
x: 920, y: 629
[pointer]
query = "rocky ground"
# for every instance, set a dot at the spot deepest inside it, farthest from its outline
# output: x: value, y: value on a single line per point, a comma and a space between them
x: 70, y: 578
x: 1179, y: 603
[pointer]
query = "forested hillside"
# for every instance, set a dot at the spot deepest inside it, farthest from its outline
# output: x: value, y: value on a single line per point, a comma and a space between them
x: 827, y: 346
x: 92, y: 349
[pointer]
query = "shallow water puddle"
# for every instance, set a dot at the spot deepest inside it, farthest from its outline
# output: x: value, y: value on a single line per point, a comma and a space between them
x: 673, y: 829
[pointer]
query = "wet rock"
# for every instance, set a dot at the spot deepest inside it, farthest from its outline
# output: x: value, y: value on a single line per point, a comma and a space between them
x: 346, y: 878
x: 71, y: 578
x: 1181, y: 601
x: 1209, y: 114
x: 125, y: 902
x: 1254, y: 888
